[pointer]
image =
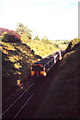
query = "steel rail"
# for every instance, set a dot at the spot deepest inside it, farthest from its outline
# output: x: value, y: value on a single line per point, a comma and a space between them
x: 17, y: 99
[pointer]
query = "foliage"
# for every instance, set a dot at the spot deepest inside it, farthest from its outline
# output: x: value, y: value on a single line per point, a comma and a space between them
x: 73, y: 44
x: 21, y: 29
x: 43, y: 49
x: 75, y: 41
x: 25, y: 39
x: 6, y: 37
x: 46, y: 40
x: 10, y: 33
x: 36, y: 37
x: 56, y: 45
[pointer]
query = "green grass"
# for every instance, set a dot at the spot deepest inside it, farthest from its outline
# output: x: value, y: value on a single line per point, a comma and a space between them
x: 44, y: 49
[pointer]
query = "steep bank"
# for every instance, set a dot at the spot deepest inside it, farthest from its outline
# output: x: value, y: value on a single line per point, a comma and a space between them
x: 16, y: 61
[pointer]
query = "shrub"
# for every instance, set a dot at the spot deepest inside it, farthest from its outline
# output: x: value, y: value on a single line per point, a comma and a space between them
x: 10, y: 35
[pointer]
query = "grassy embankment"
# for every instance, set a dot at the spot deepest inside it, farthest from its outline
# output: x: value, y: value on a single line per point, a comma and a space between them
x: 16, y: 61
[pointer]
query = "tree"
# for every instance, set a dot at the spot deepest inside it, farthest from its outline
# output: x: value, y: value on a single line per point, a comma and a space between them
x: 46, y: 40
x: 37, y: 37
x: 10, y: 35
x: 21, y: 29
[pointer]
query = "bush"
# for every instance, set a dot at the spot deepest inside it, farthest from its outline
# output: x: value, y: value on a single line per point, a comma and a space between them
x: 73, y: 44
x: 10, y: 35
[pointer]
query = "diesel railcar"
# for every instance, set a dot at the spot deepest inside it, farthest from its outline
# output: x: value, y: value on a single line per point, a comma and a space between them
x: 42, y: 67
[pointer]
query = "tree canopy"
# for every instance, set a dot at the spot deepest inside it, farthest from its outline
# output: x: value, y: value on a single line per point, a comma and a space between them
x: 21, y: 29
x: 46, y: 40
x: 37, y: 37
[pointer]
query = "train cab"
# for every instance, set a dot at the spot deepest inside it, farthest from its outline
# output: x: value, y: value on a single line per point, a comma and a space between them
x: 38, y: 70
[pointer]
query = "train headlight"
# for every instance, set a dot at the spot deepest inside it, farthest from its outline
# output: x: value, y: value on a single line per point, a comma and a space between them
x: 43, y: 73
x: 32, y: 73
x: 60, y: 58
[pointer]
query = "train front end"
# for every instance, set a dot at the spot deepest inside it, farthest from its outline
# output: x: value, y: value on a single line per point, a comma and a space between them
x: 38, y: 70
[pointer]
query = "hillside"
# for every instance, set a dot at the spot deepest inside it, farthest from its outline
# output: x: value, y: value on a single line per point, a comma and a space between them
x: 16, y: 60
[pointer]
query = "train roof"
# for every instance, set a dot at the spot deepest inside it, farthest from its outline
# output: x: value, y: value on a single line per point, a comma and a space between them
x: 45, y: 60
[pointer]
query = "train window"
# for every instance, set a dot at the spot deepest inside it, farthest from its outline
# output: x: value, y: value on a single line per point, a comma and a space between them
x: 37, y: 68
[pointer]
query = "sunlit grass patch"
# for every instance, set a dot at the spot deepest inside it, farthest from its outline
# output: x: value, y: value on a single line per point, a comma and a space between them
x: 17, y: 65
x: 5, y: 52
x: 63, y: 46
x: 8, y: 46
x: 12, y: 59
x: 18, y: 72
x: 43, y: 49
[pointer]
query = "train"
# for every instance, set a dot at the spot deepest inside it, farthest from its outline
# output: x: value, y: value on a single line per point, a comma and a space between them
x: 42, y: 67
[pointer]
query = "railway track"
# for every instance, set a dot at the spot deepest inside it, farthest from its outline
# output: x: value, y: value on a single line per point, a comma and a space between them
x: 15, y: 108
x: 35, y: 92
x: 17, y: 101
